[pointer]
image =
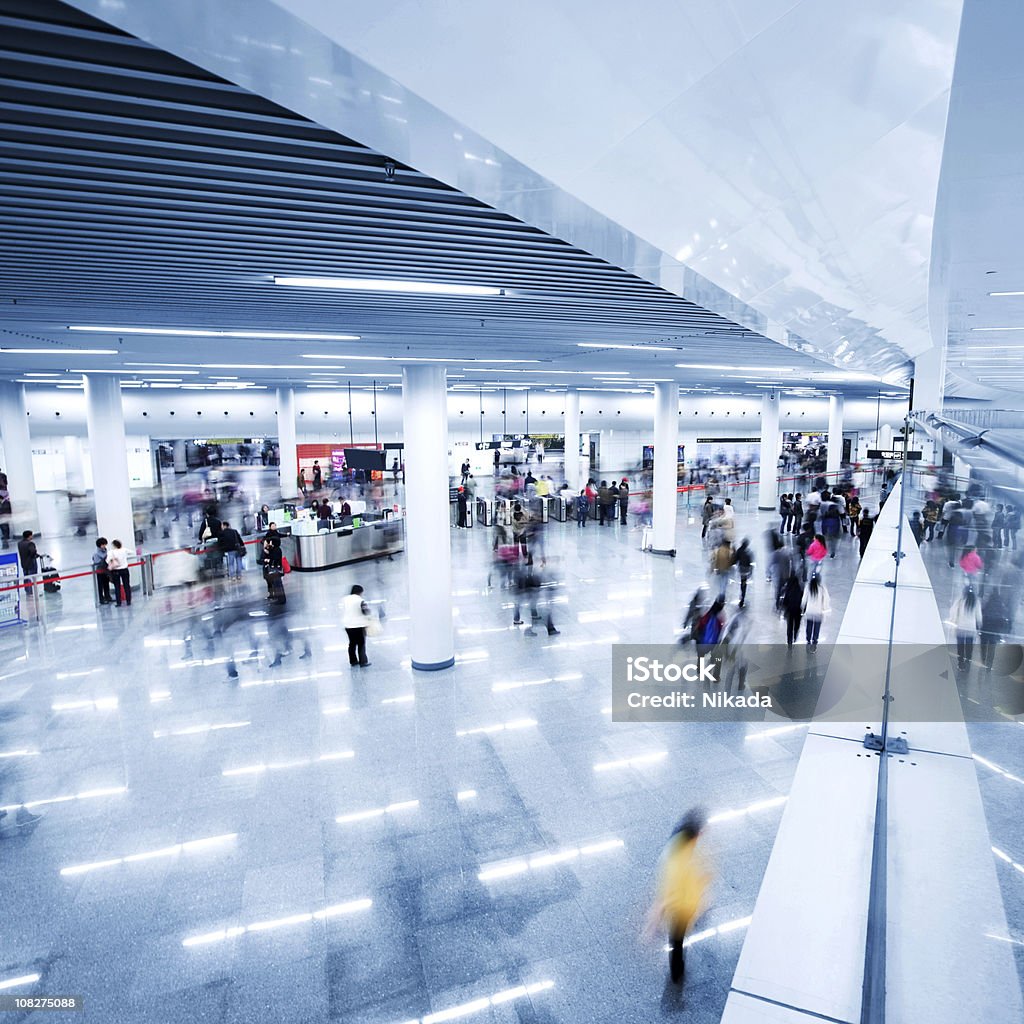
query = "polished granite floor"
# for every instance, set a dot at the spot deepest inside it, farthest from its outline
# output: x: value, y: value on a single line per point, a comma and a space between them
x: 307, y: 842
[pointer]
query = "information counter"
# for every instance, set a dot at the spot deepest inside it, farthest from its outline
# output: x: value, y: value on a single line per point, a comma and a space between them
x: 341, y: 546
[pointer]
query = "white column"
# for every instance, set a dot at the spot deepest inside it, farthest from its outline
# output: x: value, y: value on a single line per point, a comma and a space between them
x: 572, y: 440
x: 834, y: 451
x: 289, y: 468
x: 74, y: 468
x: 666, y: 456
x: 17, y: 462
x: 769, y: 471
x: 180, y: 456
x: 108, y: 453
x: 427, y: 530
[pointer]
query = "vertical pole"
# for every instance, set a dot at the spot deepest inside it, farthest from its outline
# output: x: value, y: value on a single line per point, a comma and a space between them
x: 769, y: 452
x: 375, y: 439
x: 427, y: 529
x: 666, y: 457
x: 351, y: 432
x: 288, y: 470
x: 180, y: 456
x: 572, y: 440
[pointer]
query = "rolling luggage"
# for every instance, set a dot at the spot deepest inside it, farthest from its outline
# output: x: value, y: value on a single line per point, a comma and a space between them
x: 51, y: 577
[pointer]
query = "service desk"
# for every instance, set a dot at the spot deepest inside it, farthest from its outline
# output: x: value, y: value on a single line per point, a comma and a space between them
x: 343, y: 545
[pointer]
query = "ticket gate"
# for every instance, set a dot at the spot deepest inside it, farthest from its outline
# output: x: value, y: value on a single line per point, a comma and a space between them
x: 484, y: 512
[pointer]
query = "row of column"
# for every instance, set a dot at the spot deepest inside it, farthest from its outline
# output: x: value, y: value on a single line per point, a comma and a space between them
x: 425, y: 423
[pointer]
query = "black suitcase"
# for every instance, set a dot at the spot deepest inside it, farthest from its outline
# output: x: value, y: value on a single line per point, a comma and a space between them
x: 51, y: 581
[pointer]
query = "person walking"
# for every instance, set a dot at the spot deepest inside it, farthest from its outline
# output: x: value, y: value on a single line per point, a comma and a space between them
x: 815, y: 607
x: 682, y: 889
x: 785, y: 512
x: 721, y: 566
x: 996, y: 622
x: 831, y: 522
x: 743, y: 560
x: 796, y: 516
x: 356, y: 618
x: 231, y: 543
x: 602, y: 503
x: 792, y: 602
x: 1011, y: 526
x: 966, y: 618
x: 117, y: 566
x: 865, y: 528
x: 623, y: 500
x: 100, y: 568
x: 5, y: 516
x: 582, y: 508
x: 706, y: 513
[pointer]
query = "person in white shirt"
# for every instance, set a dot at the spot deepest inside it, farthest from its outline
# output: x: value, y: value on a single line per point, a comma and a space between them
x: 966, y: 618
x: 816, y: 606
x: 355, y: 617
x: 117, y: 568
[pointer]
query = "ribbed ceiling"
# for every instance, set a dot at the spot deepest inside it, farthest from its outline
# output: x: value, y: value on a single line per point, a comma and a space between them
x: 141, y: 190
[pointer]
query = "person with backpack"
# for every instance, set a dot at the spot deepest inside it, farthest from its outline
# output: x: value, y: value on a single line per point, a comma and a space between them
x: 709, y: 628
x: 231, y: 543
x: 967, y: 619
x: 815, y: 606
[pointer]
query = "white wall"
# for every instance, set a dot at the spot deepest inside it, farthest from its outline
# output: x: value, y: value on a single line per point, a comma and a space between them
x: 51, y: 471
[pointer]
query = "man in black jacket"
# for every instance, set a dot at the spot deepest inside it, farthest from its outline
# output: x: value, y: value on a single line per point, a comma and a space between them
x: 231, y: 543
x: 27, y: 554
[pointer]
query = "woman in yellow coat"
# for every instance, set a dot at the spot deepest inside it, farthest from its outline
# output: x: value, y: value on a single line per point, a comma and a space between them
x: 682, y: 888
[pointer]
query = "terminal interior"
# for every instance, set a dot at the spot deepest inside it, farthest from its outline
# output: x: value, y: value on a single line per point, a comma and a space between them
x: 558, y: 347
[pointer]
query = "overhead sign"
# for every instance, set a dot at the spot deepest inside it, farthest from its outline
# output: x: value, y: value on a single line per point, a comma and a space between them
x: 877, y: 453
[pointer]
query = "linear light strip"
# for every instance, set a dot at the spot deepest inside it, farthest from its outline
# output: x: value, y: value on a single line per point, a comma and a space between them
x: 168, y: 851
x: 203, y: 332
x: 24, y: 979
x: 324, y: 914
x: 518, y: 723
x: 371, y: 284
x: 377, y: 812
x: 88, y: 794
x: 521, y: 865
x: 272, y: 766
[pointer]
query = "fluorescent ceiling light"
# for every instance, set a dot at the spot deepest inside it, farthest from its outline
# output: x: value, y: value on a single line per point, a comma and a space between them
x: 420, y: 359
x: 60, y: 351
x: 556, y: 373
x: 203, y: 332
x: 49, y: 373
x: 370, y: 284
x: 644, y: 348
x: 997, y: 328
x: 1006, y: 293
x: 748, y: 370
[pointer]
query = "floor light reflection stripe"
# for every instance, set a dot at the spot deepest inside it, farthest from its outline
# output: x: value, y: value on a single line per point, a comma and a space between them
x: 19, y: 753
x: 336, y: 910
x: 739, y: 812
x: 764, y: 734
x: 24, y: 979
x: 522, y: 683
x: 377, y: 812
x: 521, y: 865
x: 483, y: 1003
x: 709, y: 933
x: 631, y: 762
x: 191, y: 846
x: 273, y: 766
x: 999, y: 771
x: 518, y: 723
x: 100, y: 704
x: 466, y: 794
x: 87, y: 794
x: 198, y: 730
x: 1009, y: 860
x: 289, y: 679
